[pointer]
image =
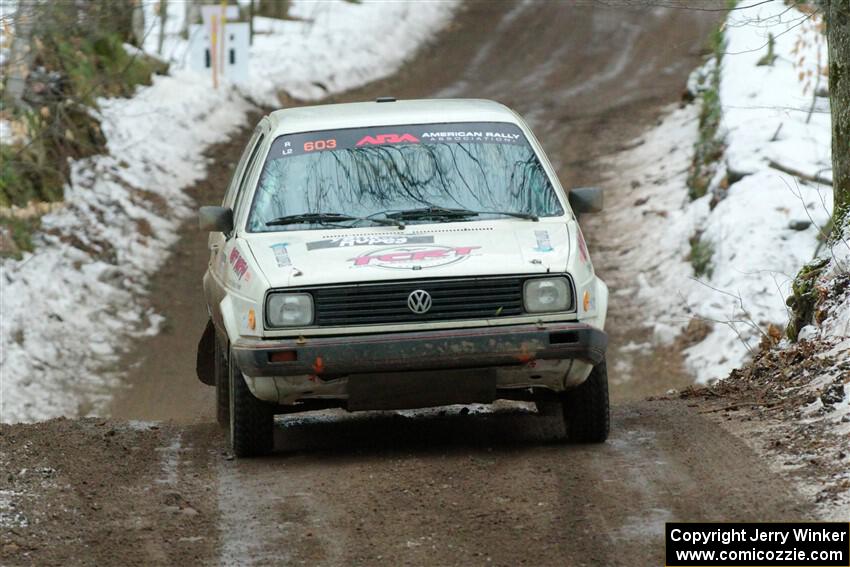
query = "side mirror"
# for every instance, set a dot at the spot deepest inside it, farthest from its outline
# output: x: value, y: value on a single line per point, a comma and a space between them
x: 585, y: 200
x: 215, y: 219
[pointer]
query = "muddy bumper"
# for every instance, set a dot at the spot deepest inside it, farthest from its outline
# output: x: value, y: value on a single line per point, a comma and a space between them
x: 487, y: 347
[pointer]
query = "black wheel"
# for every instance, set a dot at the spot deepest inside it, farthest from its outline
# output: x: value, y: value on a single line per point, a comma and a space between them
x: 586, y: 408
x: 222, y: 386
x: 251, y: 420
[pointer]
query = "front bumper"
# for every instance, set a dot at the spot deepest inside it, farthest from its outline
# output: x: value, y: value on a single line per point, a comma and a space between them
x: 480, y: 347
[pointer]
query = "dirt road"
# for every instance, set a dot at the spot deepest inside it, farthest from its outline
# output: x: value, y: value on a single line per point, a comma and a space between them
x: 435, y: 488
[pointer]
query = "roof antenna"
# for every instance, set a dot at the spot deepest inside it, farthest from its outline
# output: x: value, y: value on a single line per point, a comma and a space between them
x: 385, y: 99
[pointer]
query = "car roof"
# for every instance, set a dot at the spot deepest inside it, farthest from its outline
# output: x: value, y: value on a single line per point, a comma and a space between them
x: 362, y: 114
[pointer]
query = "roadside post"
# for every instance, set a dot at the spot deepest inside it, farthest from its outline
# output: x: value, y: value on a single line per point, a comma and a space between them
x: 220, y: 45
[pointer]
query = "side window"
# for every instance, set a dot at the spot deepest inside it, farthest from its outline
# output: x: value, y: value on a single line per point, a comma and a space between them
x: 247, y: 172
x: 239, y: 172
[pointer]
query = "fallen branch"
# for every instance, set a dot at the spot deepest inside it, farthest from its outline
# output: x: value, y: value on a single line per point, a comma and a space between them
x: 799, y: 174
x: 731, y: 407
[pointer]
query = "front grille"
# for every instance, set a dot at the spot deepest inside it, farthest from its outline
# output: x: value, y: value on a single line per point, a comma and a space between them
x: 452, y: 299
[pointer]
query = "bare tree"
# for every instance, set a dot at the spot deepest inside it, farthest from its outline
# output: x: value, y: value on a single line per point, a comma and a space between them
x: 251, y: 22
x: 138, y: 23
x: 163, y: 16
x: 21, y: 55
x: 192, y: 16
x: 838, y: 35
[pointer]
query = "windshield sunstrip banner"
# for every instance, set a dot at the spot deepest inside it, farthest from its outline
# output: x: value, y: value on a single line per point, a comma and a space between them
x: 290, y: 145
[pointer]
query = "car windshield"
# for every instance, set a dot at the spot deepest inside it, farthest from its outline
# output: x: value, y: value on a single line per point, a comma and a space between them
x: 418, y: 173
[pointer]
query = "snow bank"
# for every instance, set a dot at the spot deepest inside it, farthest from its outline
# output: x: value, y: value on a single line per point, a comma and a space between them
x: 327, y: 47
x: 774, y: 117
x: 374, y: 38
x: 756, y: 252
x: 69, y: 308
x: 801, y: 414
x: 837, y: 323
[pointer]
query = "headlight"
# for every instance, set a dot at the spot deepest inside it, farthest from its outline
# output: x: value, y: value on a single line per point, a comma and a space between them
x: 289, y: 309
x: 547, y: 294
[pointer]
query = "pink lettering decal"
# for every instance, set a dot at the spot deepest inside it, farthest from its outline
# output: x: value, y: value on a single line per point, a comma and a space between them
x: 388, y: 139
x: 465, y: 250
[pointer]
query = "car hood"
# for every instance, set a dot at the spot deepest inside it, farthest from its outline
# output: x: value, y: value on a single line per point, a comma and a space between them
x: 322, y: 257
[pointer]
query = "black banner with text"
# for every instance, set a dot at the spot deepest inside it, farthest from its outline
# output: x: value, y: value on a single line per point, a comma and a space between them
x: 799, y: 544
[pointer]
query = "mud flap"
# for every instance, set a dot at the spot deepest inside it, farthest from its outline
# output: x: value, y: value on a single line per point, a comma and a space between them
x: 205, y: 365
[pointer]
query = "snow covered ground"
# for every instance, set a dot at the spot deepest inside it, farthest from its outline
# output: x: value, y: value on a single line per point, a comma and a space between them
x: 793, y: 404
x: 338, y: 45
x: 69, y: 307
x: 756, y: 252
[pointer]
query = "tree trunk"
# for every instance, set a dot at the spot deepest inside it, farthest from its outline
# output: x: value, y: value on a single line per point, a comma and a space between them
x: 193, y: 16
x: 250, y: 22
x: 20, y: 56
x: 838, y: 36
x: 138, y: 23
x: 163, y: 16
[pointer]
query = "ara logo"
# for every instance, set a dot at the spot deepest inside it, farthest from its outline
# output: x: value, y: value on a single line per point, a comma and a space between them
x: 414, y: 257
x: 388, y: 139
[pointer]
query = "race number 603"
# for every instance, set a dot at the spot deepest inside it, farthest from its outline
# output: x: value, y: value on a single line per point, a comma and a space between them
x: 319, y: 145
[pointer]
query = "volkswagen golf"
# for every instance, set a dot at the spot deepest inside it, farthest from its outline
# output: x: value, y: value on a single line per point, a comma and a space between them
x: 400, y: 254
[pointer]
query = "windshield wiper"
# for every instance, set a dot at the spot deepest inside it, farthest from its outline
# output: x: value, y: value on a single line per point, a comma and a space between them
x: 325, y: 218
x: 448, y: 214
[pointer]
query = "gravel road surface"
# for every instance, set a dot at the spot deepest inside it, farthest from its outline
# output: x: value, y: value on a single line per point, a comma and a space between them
x: 437, y: 487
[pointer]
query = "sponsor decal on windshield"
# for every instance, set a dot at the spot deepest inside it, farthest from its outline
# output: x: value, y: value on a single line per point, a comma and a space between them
x: 379, y: 139
x: 290, y: 145
x: 414, y: 257
x: 470, y: 136
x: 347, y: 241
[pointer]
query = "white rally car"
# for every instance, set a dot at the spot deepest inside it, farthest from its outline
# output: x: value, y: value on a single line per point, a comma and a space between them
x: 400, y: 254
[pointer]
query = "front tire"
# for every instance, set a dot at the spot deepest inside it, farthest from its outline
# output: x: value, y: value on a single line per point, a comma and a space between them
x: 251, y: 420
x: 586, y: 408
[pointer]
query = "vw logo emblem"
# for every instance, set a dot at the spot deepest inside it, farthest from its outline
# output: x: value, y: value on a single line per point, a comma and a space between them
x: 419, y: 301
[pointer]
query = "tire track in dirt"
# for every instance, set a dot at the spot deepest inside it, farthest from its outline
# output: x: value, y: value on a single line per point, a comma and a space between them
x: 101, y: 492
x: 492, y: 488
